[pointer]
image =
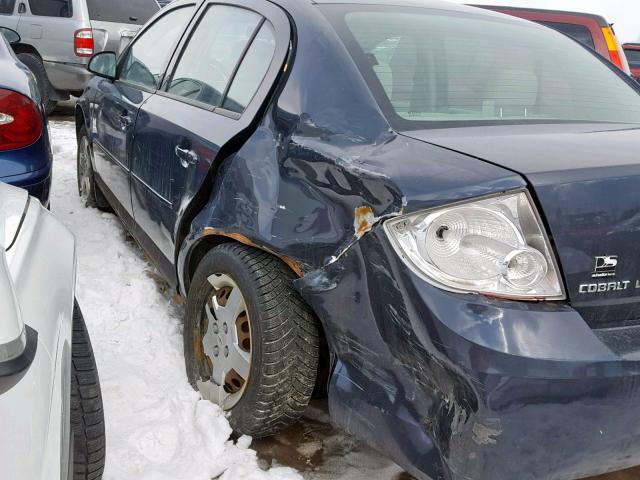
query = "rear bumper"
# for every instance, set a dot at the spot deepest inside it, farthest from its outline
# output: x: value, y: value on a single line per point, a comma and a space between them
x: 37, y: 183
x: 461, y: 386
x: 67, y: 77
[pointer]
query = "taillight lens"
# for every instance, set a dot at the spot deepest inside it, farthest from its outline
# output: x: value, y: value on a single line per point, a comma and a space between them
x: 20, y: 121
x: 83, y: 42
x: 495, y: 246
x: 615, y: 51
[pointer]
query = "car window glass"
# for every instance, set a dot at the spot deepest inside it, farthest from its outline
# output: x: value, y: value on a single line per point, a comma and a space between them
x: 432, y: 70
x: 51, y: 8
x: 577, y: 32
x: 252, y: 70
x: 122, y: 11
x: 634, y: 58
x: 145, y: 61
x: 210, y: 58
x: 7, y: 6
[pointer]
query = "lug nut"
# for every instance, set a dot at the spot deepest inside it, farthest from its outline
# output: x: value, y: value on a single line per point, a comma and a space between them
x: 225, y: 328
x: 226, y: 351
x: 216, y: 351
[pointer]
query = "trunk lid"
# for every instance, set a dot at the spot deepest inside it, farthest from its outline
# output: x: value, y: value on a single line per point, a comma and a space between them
x: 586, y: 179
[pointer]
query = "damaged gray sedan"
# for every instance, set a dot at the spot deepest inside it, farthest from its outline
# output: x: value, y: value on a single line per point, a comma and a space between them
x: 432, y: 189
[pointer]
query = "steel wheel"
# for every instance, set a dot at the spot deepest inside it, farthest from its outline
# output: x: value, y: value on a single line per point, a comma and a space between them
x: 84, y: 169
x: 226, y: 343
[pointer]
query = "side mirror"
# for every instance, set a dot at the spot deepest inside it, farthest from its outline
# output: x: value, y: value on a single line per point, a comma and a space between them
x: 103, y: 64
x: 11, y: 35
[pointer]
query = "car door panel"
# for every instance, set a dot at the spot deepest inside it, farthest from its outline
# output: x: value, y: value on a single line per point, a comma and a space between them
x: 9, y: 15
x: 117, y: 105
x: 49, y: 27
x: 163, y: 183
x: 180, y: 138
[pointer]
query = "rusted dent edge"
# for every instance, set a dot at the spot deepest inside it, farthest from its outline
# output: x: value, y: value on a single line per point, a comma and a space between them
x: 291, y: 263
x: 363, y: 222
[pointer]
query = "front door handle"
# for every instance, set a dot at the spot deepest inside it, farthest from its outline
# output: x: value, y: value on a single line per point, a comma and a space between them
x: 125, y: 120
x: 187, y: 157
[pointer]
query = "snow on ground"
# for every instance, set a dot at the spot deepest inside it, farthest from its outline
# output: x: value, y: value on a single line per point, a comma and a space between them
x: 158, y: 428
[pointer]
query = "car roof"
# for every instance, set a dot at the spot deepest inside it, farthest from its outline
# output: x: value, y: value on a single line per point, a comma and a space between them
x: 446, y: 5
x: 598, y: 18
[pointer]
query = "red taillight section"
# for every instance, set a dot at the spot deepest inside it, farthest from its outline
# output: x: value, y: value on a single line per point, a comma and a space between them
x: 83, y: 42
x: 20, y: 121
x: 615, y: 50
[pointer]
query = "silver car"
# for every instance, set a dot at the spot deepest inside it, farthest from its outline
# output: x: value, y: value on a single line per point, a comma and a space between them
x: 59, y: 37
x: 50, y: 400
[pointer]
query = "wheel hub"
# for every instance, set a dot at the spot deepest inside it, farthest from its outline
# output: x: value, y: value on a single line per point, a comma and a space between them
x: 226, y: 343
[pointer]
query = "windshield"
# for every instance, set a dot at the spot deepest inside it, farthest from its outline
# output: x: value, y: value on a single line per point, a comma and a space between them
x: 434, y: 68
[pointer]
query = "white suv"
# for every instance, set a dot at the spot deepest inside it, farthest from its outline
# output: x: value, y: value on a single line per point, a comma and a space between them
x: 59, y: 37
x: 50, y: 400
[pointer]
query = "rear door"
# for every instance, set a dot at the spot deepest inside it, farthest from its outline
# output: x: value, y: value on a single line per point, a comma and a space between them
x: 116, y: 22
x: 214, y: 91
x: 9, y: 14
x: 140, y: 73
x: 49, y: 25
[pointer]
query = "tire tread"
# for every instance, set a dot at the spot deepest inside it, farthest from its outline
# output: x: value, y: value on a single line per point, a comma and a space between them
x: 290, y: 342
x: 87, y: 415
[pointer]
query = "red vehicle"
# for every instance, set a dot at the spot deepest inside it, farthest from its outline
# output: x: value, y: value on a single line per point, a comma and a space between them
x: 591, y: 30
x: 632, y: 51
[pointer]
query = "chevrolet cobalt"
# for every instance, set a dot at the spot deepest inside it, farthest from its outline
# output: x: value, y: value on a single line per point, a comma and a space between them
x: 434, y: 207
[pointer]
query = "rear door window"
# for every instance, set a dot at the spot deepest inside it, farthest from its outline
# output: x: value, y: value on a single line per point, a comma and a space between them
x: 210, y: 59
x: 577, y: 32
x: 51, y: 8
x: 145, y: 62
x: 122, y: 11
x: 7, y: 6
x: 252, y: 71
x: 633, y: 56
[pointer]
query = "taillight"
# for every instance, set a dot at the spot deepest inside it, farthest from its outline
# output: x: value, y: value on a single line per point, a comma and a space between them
x: 83, y: 42
x: 20, y: 121
x: 615, y: 51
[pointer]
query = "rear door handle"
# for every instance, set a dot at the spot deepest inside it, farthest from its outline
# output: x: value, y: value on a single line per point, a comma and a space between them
x: 187, y: 157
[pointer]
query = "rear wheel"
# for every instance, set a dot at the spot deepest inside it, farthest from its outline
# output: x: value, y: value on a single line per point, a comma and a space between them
x: 87, y: 416
x: 36, y: 66
x: 251, y: 343
x: 89, y: 191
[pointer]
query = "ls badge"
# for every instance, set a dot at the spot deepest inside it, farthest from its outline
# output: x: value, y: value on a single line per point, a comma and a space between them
x: 605, y: 266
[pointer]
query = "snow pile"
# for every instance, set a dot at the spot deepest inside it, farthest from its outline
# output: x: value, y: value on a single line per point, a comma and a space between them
x: 157, y: 426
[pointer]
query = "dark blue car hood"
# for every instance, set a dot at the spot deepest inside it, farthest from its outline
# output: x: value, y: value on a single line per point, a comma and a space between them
x: 586, y: 179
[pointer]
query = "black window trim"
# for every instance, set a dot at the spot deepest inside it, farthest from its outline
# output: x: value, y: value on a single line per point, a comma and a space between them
x: 179, y: 52
x: 161, y: 13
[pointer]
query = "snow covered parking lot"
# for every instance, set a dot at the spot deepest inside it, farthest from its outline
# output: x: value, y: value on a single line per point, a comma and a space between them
x: 157, y: 426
